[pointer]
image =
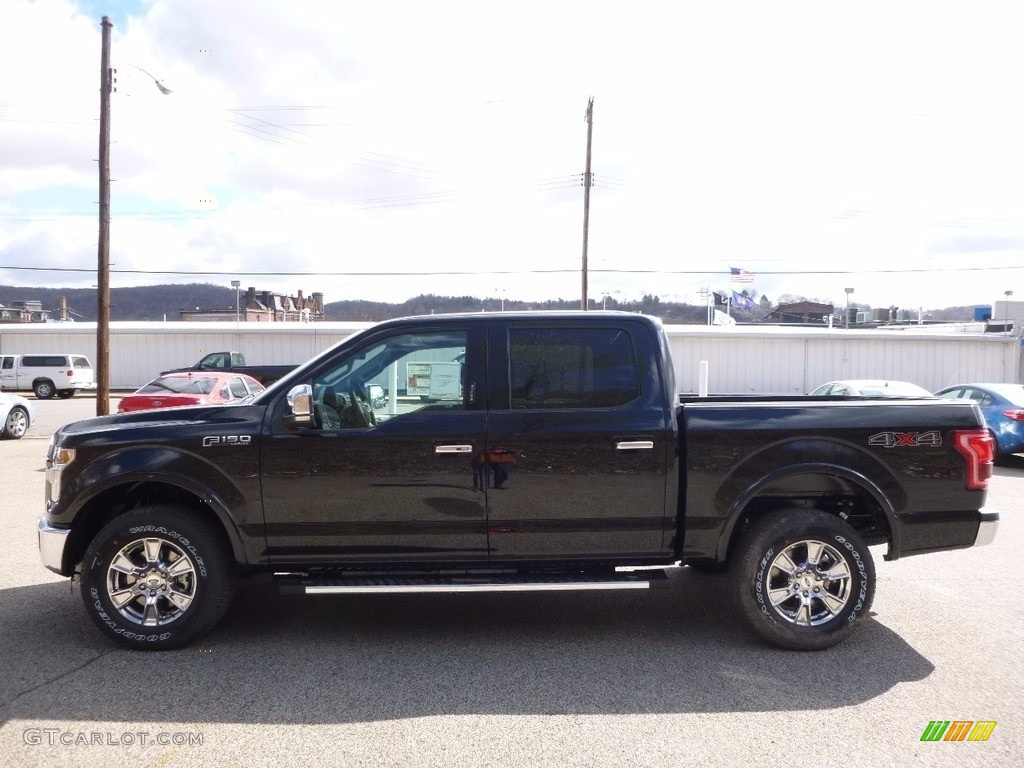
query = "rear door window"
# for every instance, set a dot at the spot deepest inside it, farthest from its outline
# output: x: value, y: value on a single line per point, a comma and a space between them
x: 237, y: 387
x: 571, y: 368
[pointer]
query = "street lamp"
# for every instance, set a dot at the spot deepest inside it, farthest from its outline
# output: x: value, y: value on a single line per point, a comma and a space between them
x: 236, y: 284
x: 1006, y: 312
x: 848, y: 292
x: 103, y: 248
x: 163, y: 88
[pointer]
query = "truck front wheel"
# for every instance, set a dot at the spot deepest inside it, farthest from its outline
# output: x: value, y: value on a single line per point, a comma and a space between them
x: 803, y: 579
x: 157, y: 577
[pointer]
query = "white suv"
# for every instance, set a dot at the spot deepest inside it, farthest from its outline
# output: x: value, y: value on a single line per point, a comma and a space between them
x: 47, y: 374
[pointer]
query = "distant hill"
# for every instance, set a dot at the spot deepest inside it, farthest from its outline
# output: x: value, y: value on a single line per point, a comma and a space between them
x: 160, y: 302
x: 152, y: 302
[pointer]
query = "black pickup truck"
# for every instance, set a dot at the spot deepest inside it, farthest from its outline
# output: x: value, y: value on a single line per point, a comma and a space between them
x: 235, y: 363
x: 511, y: 451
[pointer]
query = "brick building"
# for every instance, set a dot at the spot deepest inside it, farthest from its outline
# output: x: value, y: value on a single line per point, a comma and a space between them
x: 24, y: 312
x: 265, y: 307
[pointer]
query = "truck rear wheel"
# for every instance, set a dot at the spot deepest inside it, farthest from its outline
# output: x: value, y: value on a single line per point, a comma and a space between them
x: 803, y: 579
x: 44, y: 389
x: 157, y: 577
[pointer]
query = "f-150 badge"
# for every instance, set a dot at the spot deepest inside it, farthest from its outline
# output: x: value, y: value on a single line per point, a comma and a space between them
x: 228, y: 440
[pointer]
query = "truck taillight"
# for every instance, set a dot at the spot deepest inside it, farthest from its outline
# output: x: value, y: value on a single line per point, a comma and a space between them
x: 978, y: 447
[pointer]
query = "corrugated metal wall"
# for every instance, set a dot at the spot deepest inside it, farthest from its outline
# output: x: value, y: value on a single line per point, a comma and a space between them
x: 741, y: 358
x: 139, y: 351
x: 795, y: 361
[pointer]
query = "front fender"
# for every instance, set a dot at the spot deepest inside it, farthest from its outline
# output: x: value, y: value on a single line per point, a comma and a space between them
x: 230, y: 493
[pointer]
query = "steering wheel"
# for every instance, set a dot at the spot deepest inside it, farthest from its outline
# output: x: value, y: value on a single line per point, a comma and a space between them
x: 362, y: 410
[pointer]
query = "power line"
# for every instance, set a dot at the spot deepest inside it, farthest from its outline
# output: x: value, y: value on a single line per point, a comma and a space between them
x: 293, y: 273
x: 393, y: 201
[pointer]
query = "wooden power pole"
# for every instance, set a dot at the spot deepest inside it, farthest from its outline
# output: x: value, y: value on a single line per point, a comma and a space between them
x: 587, y: 182
x: 103, y: 255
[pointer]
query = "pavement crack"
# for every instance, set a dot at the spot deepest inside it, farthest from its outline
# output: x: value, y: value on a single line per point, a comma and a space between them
x: 9, y: 705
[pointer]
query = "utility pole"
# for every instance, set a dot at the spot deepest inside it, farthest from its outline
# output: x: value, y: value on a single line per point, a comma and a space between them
x: 587, y: 182
x: 103, y: 256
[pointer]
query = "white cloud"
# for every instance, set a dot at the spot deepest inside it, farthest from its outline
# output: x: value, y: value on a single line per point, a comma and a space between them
x: 343, y: 137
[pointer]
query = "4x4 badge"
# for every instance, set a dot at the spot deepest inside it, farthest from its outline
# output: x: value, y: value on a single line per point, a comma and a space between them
x: 906, y: 439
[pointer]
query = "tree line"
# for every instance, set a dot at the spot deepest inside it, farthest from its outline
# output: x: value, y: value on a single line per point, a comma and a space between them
x: 165, y: 302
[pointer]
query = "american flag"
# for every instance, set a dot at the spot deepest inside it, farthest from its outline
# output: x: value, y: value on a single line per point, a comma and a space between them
x: 740, y: 275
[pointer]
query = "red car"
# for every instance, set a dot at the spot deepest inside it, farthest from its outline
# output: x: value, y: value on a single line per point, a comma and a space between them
x: 206, y: 387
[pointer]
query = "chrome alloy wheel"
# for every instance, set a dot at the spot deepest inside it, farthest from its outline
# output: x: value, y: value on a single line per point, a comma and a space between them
x: 808, y: 583
x: 17, y: 423
x: 151, y: 582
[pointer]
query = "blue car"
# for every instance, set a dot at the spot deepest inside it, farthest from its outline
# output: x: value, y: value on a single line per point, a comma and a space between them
x: 1003, y: 408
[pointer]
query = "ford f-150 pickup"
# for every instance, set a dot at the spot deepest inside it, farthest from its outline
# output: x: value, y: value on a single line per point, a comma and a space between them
x: 507, y: 451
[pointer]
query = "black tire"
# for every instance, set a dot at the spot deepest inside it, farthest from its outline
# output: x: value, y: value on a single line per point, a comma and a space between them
x: 179, y: 558
x: 66, y: 393
x: 16, y: 424
x: 44, y: 389
x: 787, y: 558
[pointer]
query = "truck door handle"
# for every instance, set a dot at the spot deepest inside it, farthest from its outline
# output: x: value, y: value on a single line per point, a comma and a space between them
x: 634, y: 445
x: 453, y: 449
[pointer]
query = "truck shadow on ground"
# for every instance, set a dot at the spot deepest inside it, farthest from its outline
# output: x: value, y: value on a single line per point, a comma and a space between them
x: 1010, y: 466
x: 341, y: 659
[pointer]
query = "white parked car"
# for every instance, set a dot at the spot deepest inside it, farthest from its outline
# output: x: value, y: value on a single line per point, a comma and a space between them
x: 16, y: 415
x: 871, y: 388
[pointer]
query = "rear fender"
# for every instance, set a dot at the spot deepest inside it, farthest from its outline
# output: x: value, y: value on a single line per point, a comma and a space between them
x: 794, y: 467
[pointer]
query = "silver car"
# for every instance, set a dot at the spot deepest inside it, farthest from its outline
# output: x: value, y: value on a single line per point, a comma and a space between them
x: 871, y: 388
x: 16, y: 415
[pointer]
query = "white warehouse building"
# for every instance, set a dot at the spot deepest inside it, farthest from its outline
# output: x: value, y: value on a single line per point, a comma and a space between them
x: 741, y: 359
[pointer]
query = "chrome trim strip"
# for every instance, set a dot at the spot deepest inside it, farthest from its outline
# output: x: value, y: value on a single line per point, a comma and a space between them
x: 635, y: 445
x: 314, y: 589
x: 51, y: 544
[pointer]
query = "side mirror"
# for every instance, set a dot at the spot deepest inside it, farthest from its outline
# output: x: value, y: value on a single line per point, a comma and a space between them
x: 375, y: 396
x: 300, y: 405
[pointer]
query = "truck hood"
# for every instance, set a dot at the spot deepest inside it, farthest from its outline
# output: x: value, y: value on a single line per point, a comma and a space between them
x: 162, y: 418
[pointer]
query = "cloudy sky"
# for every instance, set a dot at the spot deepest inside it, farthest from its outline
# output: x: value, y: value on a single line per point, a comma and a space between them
x: 382, y: 150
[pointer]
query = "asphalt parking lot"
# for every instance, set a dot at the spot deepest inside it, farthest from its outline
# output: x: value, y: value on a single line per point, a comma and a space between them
x: 665, y: 678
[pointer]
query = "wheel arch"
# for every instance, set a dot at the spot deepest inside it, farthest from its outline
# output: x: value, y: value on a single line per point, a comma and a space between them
x: 830, y: 488
x: 109, y: 502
